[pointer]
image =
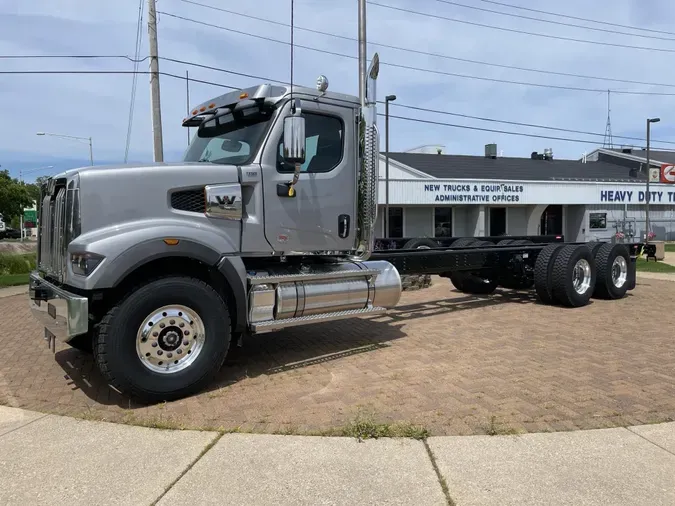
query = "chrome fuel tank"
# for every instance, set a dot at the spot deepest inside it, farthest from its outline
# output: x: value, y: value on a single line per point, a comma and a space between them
x: 284, y: 297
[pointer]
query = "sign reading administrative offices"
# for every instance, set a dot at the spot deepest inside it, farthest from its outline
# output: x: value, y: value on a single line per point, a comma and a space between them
x: 476, y: 192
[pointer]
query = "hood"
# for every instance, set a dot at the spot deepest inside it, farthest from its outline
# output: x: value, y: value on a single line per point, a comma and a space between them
x: 151, y: 166
x: 122, y: 193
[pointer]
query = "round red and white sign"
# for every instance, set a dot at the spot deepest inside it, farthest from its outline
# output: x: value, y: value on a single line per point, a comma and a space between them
x: 668, y: 173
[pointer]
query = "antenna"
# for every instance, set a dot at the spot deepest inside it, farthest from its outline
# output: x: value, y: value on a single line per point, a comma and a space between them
x: 607, y: 141
x: 292, y: 30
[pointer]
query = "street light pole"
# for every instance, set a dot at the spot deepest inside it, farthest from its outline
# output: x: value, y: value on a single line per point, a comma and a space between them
x: 387, y: 99
x: 86, y: 139
x: 648, y: 195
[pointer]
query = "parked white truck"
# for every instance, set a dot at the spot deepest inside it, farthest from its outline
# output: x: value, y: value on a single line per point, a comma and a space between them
x: 267, y: 223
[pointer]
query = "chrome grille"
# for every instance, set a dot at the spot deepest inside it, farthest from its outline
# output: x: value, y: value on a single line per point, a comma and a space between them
x: 51, y: 234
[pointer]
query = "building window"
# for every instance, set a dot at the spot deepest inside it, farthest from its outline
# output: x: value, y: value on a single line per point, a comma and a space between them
x: 395, y: 222
x: 597, y: 221
x: 443, y: 222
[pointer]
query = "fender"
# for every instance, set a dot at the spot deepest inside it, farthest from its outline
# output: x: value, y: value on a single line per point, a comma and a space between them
x: 136, y: 256
x: 230, y: 267
x: 131, y: 245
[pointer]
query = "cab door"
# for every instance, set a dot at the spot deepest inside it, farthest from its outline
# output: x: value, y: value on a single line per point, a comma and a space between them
x: 321, y: 214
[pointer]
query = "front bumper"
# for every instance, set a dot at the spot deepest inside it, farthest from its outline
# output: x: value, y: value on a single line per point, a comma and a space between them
x: 64, y: 314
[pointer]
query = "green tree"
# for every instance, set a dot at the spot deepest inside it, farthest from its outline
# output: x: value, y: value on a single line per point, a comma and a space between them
x: 14, y: 196
x: 33, y: 192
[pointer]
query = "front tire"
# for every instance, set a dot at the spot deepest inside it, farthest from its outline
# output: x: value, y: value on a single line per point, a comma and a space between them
x: 165, y: 340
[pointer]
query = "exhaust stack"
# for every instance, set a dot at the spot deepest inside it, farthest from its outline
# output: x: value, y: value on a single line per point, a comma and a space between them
x: 369, y: 165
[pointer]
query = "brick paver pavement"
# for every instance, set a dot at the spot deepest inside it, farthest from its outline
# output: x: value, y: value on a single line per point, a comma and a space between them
x: 453, y: 363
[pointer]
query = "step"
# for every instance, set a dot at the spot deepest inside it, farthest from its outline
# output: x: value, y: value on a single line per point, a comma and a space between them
x: 272, y: 325
x: 314, y: 276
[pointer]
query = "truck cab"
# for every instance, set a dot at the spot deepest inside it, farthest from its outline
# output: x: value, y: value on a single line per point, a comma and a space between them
x: 246, y: 129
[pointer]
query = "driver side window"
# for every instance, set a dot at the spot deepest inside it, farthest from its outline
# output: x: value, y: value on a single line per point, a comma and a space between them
x: 324, y: 142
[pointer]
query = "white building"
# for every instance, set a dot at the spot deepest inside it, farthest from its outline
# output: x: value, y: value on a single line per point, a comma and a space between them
x: 438, y: 195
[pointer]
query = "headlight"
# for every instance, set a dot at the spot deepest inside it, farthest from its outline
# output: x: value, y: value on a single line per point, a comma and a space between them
x: 84, y: 264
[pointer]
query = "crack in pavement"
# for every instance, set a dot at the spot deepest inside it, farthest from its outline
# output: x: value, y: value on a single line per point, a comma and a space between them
x: 187, y: 469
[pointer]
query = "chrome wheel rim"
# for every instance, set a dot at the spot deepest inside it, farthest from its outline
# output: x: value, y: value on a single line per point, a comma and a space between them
x: 170, y: 339
x: 619, y: 271
x: 582, y: 276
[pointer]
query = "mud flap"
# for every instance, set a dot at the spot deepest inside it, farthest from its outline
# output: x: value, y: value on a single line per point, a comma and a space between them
x: 632, y: 273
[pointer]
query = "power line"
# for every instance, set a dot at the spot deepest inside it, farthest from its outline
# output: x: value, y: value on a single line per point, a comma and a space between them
x: 419, y: 69
x: 523, y: 32
x: 607, y: 23
x: 561, y: 23
x: 210, y: 67
x: 427, y: 53
x: 114, y: 72
x: 389, y: 46
x: 397, y: 104
x: 404, y: 118
x: 517, y: 123
x: 423, y: 109
x: 506, y: 132
x: 139, y: 60
x: 70, y: 56
x: 132, y: 101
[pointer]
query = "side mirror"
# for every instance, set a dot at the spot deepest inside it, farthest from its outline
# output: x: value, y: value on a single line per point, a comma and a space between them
x: 294, y: 136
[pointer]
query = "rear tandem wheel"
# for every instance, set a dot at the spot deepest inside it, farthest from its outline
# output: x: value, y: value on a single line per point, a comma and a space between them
x: 574, y: 275
x: 612, y: 261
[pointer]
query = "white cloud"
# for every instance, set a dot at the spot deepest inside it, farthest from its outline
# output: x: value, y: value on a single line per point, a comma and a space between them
x: 97, y: 105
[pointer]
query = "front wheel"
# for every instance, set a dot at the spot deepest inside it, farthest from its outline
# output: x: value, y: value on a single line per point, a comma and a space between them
x: 165, y: 340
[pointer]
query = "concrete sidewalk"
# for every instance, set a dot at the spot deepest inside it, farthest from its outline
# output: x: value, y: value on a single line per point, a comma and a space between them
x: 10, y: 291
x: 48, y: 459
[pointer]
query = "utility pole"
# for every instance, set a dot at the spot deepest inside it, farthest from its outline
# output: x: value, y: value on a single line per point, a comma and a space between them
x: 187, y: 102
x: 91, y: 152
x: 388, y: 98
x: 363, y: 54
x: 648, y: 195
x: 154, y: 84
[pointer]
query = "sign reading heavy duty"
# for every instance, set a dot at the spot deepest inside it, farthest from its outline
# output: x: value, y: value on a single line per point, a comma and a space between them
x: 267, y: 223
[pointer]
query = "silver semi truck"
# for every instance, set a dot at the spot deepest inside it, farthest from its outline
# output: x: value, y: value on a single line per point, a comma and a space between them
x: 267, y: 223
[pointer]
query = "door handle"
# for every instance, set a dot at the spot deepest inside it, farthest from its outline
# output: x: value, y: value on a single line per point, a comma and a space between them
x: 343, y: 225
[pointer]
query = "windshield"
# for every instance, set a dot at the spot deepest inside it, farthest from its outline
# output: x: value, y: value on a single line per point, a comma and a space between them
x: 231, y: 139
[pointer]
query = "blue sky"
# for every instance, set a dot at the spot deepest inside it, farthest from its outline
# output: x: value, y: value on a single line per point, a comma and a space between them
x: 98, y: 105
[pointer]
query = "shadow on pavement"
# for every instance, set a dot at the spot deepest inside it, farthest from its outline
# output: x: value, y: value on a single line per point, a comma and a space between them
x: 293, y: 348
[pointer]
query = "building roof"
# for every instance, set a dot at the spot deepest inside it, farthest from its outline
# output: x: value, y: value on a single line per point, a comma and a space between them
x: 654, y: 155
x: 517, y: 169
